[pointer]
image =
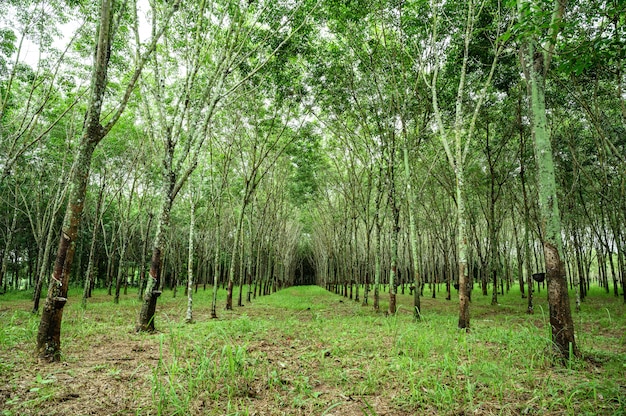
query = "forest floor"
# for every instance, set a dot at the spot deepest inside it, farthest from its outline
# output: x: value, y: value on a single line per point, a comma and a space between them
x: 305, y: 351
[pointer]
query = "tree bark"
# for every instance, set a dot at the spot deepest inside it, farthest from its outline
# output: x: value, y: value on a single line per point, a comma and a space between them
x: 92, y: 247
x: 464, y: 313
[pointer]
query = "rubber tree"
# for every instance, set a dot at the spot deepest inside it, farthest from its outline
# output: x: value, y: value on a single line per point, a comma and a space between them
x: 10, y: 233
x: 49, y: 333
x: 536, y: 58
x: 219, y: 175
x: 457, y: 134
x: 98, y: 213
x: 417, y: 282
x: 260, y: 139
x: 229, y: 45
x: 46, y: 226
x: 363, y: 88
x: 178, y: 117
x: 43, y: 190
x: 408, y: 109
x: 190, y: 255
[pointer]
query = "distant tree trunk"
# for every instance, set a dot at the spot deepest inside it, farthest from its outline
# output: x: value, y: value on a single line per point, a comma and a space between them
x: 9, y: 242
x: 216, y: 267
x: 192, y: 220
x: 377, y: 270
x: 43, y: 270
x: 92, y: 248
x: 233, y: 259
x: 144, y: 255
x: 121, y: 268
x: 417, y: 313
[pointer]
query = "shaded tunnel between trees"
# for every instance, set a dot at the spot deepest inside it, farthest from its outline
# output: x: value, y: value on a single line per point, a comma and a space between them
x: 305, y: 273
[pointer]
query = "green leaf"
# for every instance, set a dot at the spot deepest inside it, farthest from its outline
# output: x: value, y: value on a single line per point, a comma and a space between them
x: 42, y: 380
x: 505, y: 36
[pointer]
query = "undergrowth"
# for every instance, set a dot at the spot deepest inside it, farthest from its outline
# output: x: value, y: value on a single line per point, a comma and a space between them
x: 305, y: 351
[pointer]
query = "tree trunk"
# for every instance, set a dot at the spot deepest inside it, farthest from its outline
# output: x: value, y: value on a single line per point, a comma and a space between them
x: 121, y: 269
x: 216, y: 267
x: 527, y: 233
x: 153, y: 286
x: 560, y: 314
x: 377, y: 271
x: 464, y: 313
x: 393, y: 272
x: 233, y: 258
x: 43, y: 270
x: 143, y: 260
x: 92, y: 248
x: 192, y: 220
x: 242, y: 272
x: 9, y: 242
x: 49, y: 333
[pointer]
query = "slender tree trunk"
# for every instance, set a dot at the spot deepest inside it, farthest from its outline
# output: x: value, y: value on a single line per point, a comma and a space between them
x: 464, y: 313
x: 43, y: 271
x: 92, y: 248
x: 393, y: 271
x: 231, y: 268
x: 377, y: 271
x: 417, y: 313
x: 242, y: 271
x: 121, y: 268
x: 9, y: 242
x: 111, y: 263
x: 216, y: 263
x: 144, y: 255
x: 192, y: 221
x: 527, y: 233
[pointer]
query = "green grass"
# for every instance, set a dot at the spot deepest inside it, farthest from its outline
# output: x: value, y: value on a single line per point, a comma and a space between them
x: 305, y: 351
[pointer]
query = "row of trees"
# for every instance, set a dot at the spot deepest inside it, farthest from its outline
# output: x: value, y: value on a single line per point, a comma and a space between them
x: 384, y: 143
x: 187, y: 114
x: 498, y: 94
